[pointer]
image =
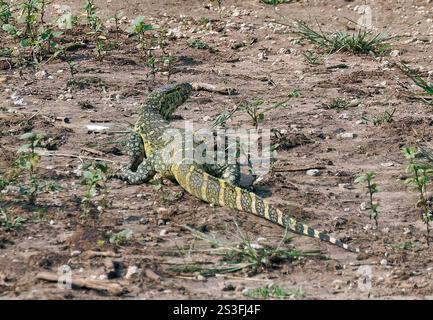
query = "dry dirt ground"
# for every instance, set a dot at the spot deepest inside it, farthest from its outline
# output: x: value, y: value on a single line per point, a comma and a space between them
x: 269, y: 65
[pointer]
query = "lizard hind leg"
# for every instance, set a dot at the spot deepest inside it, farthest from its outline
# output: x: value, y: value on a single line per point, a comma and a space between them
x: 135, y: 150
x: 232, y: 174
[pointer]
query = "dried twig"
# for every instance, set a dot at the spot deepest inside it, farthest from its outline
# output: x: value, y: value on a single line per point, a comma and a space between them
x: 98, y: 285
x: 211, y: 88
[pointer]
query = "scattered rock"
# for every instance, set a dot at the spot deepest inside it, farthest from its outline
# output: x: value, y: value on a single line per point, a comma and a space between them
x: 75, y: 253
x: 175, y: 33
x: 229, y: 287
x: 395, y: 53
x: 347, y: 135
x: 163, y: 232
x: 152, y: 274
x: 3, y: 80
x: 313, y: 172
x: 132, y: 271
x: 383, y: 262
x: 95, y: 128
x: 41, y: 75
x: 262, y: 55
x: 201, y: 278
x: 206, y: 118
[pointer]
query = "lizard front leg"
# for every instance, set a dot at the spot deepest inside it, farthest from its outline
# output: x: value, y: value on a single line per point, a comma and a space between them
x: 145, y: 171
x: 135, y: 150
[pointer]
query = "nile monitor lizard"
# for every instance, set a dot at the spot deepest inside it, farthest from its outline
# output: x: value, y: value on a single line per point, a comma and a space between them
x: 151, y: 153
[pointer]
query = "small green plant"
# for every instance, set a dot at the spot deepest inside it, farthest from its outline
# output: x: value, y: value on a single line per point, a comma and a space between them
x: 419, y: 81
x: 29, y: 160
x: 169, y: 62
x: 337, y: 103
x: 5, y: 12
x: 420, y: 177
x: 274, y: 2
x: 220, y: 7
x: 256, y: 113
x: 361, y: 42
x: 222, y: 118
x: 403, y: 246
x: 116, y: 17
x: 152, y: 64
x: 139, y: 29
x: 386, y: 117
x: 274, y: 292
x: 312, y: 57
x: 372, y: 189
x: 10, y: 224
x: 240, y: 254
x: 35, y: 37
x: 121, y: 237
x: 198, y: 44
x: 295, y: 93
x: 94, y: 174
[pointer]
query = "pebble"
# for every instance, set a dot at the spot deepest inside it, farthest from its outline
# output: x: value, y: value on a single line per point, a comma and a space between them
x: 175, y: 33
x: 51, y: 222
x: 75, y: 253
x: 201, y: 278
x: 347, y: 135
x: 229, y: 287
x: 41, y: 75
x: 395, y: 53
x: 3, y: 80
x: 262, y: 56
x: 132, y: 272
x: 163, y: 232
x: 383, y: 262
x: 206, y: 118
x: 313, y: 172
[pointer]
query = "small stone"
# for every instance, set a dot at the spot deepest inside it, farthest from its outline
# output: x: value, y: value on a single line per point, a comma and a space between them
x: 41, y: 75
x: 395, y: 53
x: 262, y: 55
x: 75, y: 253
x: 383, y: 262
x: 161, y: 222
x: 206, y: 118
x: 133, y: 271
x: 385, y: 230
x: 363, y: 206
x: 347, y: 135
x: 387, y: 164
x: 201, y: 278
x: 229, y: 287
x: 151, y: 274
x: 175, y: 33
x: 103, y: 277
x: 3, y: 80
x: 163, y: 232
x: 68, y: 96
x: 313, y: 172
x: 51, y: 222
x: 345, y: 186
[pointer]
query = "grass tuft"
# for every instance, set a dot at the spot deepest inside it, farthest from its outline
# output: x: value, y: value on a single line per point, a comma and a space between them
x: 362, y: 42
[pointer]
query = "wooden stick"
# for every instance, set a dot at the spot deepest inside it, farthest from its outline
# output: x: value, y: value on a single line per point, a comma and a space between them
x: 52, y: 154
x: 98, y: 285
x: 297, y: 169
x: 211, y: 88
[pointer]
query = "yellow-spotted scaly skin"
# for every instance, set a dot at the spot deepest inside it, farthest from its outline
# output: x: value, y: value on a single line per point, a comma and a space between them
x: 219, y: 192
x: 150, y: 154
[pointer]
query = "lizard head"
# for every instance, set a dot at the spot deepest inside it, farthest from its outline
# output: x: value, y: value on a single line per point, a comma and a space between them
x: 170, y: 97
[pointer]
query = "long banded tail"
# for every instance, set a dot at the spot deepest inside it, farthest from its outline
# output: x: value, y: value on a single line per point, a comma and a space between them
x: 217, y: 191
